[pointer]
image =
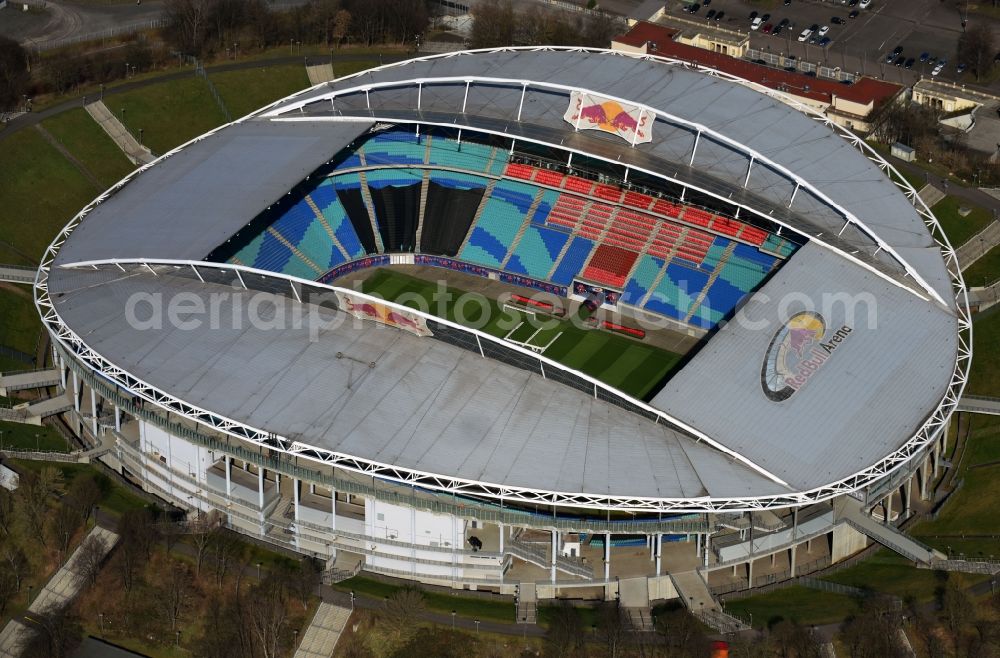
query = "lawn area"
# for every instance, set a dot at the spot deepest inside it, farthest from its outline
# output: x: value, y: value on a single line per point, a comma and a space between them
x: 19, y: 324
x: 170, y: 113
x: 18, y: 436
x: 888, y: 573
x: 88, y: 142
x: 984, y: 271
x: 958, y: 228
x: 473, y: 608
x: 41, y: 190
x: 795, y: 603
x: 250, y: 89
x: 346, y: 68
x: 984, y: 378
x: 625, y: 364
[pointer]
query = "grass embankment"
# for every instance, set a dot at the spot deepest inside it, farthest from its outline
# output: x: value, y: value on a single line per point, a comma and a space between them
x: 89, y: 144
x: 170, y: 113
x: 622, y: 363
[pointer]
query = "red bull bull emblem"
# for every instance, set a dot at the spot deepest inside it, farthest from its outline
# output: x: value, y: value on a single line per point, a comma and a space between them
x: 367, y: 309
x: 593, y: 112
x: 797, y: 352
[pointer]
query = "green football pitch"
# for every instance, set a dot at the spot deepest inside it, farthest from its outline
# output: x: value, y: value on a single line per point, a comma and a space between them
x: 625, y: 364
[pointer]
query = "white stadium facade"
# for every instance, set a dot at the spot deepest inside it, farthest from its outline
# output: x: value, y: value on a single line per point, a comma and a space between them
x: 828, y: 318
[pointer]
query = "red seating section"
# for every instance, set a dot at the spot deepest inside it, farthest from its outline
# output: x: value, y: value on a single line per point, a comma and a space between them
x: 616, y: 226
x: 610, y: 265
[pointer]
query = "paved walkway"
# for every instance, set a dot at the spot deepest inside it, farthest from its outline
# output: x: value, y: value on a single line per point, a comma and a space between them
x: 60, y: 590
x: 119, y: 134
x: 17, y: 274
x: 323, y: 632
x: 319, y: 73
x: 886, y: 535
x: 26, y: 380
x: 979, y: 404
x: 978, y: 245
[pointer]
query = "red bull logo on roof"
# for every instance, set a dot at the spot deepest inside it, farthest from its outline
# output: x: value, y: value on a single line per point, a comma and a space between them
x: 367, y: 309
x: 797, y: 352
x: 593, y: 112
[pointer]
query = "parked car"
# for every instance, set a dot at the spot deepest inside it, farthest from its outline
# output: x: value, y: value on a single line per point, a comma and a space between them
x: 719, y: 16
x: 693, y: 8
x: 777, y: 30
x: 823, y: 30
x: 837, y: 20
x: 711, y: 14
x: 806, y: 33
x: 765, y: 17
x: 864, y: 4
x: 853, y: 3
x: 784, y: 22
x: 960, y: 68
x: 757, y: 22
x: 707, y: 2
x: 767, y: 28
x: 899, y: 61
x: 824, y: 42
x: 908, y: 64
x: 753, y: 15
x: 788, y: 2
x: 854, y: 14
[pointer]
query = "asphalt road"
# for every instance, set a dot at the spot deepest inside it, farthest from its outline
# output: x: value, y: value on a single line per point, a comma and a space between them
x: 861, y: 44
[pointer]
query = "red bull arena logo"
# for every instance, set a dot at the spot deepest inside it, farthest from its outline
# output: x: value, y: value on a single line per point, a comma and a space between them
x: 797, y: 352
x: 369, y: 310
x: 593, y: 112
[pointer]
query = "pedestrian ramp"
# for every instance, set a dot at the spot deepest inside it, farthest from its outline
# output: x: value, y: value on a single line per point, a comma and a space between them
x: 323, y: 633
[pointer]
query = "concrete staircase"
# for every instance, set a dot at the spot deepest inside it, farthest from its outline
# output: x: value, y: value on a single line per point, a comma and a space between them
x: 978, y: 245
x: 697, y: 598
x: 138, y: 155
x: 527, y: 604
x: 319, y: 73
x: 930, y: 195
x: 855, y: 515
x: 323, y: 633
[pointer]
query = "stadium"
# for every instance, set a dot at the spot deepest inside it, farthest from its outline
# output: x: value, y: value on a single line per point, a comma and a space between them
x: 540, y: 321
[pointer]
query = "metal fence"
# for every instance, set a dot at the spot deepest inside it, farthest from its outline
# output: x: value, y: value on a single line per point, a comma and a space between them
x: 782, y: 61
x: 100, y: 35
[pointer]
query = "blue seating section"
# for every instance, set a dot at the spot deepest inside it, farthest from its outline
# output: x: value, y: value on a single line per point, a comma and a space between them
x: 677, y: 290
x: 472, y: 156
x: 537, y: 252
x: 458, y: 181
x: 642, y: 279
x: 394, y: 147
x: 494, y: 232
x: 545, y: 205
x: 572, y: 261
x: 325, y: 198
x: 516, y: 194
x: 380, y: 178
x: 746, y: 268
x: 350, y: 162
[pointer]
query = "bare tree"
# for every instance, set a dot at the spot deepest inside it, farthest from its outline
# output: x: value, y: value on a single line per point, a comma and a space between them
x: 64, y: 525
x: 341, y: 26
x: 173, y: 591
x: 14, y: 76
x: 565, y: 635
x: 402, y: 611
x: 83, y: 494
x: 33, y: 496
x: 8, y: 512
x: 55, y: 634
x: 91, y: 555
x: 266, y: 613
x: 226, y: 548
x: 613, y: 628
x: 303, y: 581
x: 16, y: 562
x: 8, y: 588
x: 493, y: 24
x: 975, y: 48
x: 137, y: 534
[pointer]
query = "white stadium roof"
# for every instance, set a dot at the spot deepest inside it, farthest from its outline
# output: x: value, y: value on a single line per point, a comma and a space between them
x: 493, y: 428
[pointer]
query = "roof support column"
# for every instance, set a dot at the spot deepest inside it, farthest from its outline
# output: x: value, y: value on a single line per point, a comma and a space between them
x: 694, y: 149
x: 794, y: 192
x: 76, y: 392
x: 197, y: 273
x: 93, y: 412
x: 333, y: 508
x: 118, y: 419
x: 749, y: 167
x: 555, y: 542
x: 607, y: 556
x: 227, y: 466
x: 420, y: 93
x: 368, y: 100
x: 296, y: 483
x: 62, y: 373
x: 635, y: 133
x: 659, y: 550
x: 520, y: 106
x: 260, y: 497
x: 465, y: 98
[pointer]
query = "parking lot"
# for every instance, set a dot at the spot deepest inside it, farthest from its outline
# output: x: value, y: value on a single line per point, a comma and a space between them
x: 861, y: 44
